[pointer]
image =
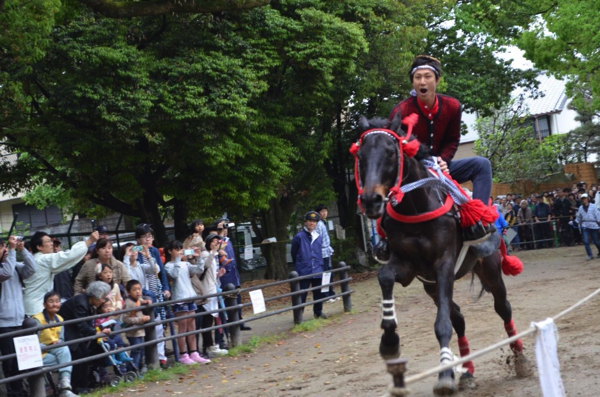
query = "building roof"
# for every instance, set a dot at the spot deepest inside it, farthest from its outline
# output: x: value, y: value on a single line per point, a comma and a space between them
x: 553, y: 100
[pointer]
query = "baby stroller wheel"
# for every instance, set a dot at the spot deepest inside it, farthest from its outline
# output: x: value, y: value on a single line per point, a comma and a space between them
x: 130, y: 376
x: 114, y: 381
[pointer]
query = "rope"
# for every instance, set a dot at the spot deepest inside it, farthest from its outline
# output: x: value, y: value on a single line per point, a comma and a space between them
x: 488, y: 349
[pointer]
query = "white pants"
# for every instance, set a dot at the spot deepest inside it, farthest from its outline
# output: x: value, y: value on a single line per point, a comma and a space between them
x: 160, y: 332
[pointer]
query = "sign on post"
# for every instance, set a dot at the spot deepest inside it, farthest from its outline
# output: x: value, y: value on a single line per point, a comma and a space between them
x: 326, y: 280
x: 258, y: 301
x: 29, y: 354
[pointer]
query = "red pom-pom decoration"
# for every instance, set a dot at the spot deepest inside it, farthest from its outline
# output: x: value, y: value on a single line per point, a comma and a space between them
x: 411, y: 148
x: 354, y: 149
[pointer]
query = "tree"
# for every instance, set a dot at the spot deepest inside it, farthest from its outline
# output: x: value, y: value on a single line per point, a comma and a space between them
x: 132, y: 8
x: 558, y: 36
x: 518, y: 158
x: 584, y: 140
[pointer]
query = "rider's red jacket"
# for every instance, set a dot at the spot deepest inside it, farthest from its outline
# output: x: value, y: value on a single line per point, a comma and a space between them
x: 442, y: 133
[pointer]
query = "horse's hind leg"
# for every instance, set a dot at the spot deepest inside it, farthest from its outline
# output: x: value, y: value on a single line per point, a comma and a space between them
x: 490, y: 274
x: 390, y: 341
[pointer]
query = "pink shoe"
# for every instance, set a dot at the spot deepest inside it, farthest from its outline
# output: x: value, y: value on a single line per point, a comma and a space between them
x: 198, y: 358
x: 185, y: 359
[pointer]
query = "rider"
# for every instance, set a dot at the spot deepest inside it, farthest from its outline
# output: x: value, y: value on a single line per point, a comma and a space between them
x: 438, y: 127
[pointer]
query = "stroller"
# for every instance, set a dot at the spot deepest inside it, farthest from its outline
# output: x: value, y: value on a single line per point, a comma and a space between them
x: 123, y: 367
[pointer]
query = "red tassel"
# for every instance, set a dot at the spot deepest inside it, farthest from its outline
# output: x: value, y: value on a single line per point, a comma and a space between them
x: 463, y: 346
x: 411, y: 120
x: 473, y: 211
x: 511, y: 265
x: 354, y: 149
x: 411, y: 148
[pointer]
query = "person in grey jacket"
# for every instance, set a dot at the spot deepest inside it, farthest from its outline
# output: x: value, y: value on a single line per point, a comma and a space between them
x: 588, y: 218
x: 180, y: 273
x: 12, y: 274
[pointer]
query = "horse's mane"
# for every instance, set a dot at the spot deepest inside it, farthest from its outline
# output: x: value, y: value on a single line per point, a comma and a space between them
x: 396, y: 126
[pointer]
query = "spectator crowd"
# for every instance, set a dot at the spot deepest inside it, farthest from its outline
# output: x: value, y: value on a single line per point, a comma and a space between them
x: 40, y: 282
x: 569, y: 215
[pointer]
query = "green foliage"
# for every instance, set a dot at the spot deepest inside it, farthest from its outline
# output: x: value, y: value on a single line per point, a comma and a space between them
x: 508, y: 140
x: 584, y: 141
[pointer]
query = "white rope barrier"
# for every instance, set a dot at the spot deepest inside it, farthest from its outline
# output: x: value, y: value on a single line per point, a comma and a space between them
x: 472, y: 356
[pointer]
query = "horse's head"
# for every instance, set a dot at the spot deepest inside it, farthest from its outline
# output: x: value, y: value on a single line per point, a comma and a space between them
x: 379, y: 161
x: 378, y: 165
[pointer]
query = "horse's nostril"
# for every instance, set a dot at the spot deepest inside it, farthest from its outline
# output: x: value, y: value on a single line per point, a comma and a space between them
x: 372, y: 199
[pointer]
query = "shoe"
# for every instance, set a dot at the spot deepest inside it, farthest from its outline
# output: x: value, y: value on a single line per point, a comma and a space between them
x: 198, y: 358
x: 598, y: 256
x: 67, y: 393
x: 330, y: 300
x: 223, y: 346
x: 322, y: 315
x: 381, y: 252
x: 64, y: 386
x: 124, y: 358
x: 590, y: 258
x: 215, y: 351
x: 185, y: 359
x: 245, y: 328
x: 163, y: 364
x: 337, y: 298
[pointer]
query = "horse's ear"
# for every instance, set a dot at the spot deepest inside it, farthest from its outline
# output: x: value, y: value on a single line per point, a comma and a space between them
x: 363, y: 124
x: 396, y: 123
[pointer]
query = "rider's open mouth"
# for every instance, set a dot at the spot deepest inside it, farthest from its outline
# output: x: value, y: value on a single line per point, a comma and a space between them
x: 423, y: 90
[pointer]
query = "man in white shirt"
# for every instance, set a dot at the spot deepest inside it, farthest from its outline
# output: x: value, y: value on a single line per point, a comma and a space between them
x: 49, y: 264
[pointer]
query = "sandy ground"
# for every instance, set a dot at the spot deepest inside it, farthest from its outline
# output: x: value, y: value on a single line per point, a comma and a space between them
x: 342, y: 358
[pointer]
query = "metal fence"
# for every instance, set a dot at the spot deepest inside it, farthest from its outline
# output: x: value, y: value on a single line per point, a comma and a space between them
x: 544, y: 234
x: 35, y: 377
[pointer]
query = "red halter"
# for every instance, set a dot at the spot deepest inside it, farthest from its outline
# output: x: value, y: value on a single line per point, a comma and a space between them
x: 410, y: 148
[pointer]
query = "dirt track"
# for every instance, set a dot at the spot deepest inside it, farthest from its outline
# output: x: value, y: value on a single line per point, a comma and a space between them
x: 342, y: 358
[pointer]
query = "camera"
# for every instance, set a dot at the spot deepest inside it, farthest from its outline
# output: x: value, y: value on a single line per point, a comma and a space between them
x: 137, y: 248
x: 20, y: 238
x: 188, y: 252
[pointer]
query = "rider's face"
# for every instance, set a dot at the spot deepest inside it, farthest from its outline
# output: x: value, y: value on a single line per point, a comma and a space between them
x: 425, y: 84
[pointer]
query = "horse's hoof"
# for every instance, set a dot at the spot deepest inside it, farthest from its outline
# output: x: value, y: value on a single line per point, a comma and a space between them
x: 445, y: 387
x: 523, y: 366
x: 391, y: 349
x: 467, y: 381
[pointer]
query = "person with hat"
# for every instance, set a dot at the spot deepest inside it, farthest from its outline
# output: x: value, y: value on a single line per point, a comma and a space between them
x: 102, y: 233
x: 588, y: 218
x: 307, y: 257
x: 438, y: 127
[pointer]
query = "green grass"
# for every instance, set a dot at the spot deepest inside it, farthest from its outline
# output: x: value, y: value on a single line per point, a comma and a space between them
x: 154, y: 375
x: 254, y: 343
x: 310, y: 325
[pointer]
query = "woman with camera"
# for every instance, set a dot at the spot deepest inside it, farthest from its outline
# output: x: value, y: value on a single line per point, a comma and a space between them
x: 194, y: 239
x: 101, y: 255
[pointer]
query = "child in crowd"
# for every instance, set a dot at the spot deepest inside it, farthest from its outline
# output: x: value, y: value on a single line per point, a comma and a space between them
x: 113, y: 341
x: 105, y: 273
x: 180, y: 272
x: 209, y: 283
x: 52, y: 336
x: 134, y: 295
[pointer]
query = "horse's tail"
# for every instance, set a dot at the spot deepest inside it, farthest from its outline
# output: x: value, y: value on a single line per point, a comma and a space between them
x: 511, y: 265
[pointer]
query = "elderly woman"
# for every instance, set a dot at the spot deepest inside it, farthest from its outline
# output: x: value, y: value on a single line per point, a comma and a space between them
x: 79, y: 306
x: 101, y: 255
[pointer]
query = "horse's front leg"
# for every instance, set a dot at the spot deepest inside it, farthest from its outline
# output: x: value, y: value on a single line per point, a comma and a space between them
x: 443, y: 327
x: 390, y: 341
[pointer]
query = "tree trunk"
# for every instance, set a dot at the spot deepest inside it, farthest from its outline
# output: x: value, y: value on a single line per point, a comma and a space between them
x: 275, y: 223
x: 180, y: 217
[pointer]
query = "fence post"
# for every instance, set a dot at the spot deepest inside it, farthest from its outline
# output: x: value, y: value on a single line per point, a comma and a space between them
x: 151, y: 352
x: 345, y: 286
x: 232, y: 315
x: 397, y: 367
x: 296, y: 299
x: 37, y: 384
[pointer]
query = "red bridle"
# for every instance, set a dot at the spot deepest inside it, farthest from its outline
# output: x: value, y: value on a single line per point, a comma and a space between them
x: 405, y: 146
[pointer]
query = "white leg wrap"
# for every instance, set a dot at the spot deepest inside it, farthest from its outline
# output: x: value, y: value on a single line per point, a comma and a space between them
x: 388, y: 310
x: 446, y: 355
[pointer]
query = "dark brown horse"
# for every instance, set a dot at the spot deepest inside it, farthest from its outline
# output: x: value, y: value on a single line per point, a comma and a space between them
x: 426, y: 250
